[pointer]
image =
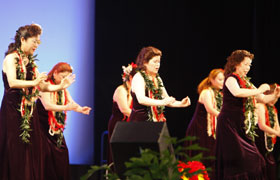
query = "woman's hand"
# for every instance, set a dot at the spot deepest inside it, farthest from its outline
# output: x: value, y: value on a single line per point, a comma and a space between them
x: 183, y: 103
x: 67, y: 81
x: 263, y: 88
x: 168, y: 100
x: 41, y: 78
x: 278, y: 133
x: 186, y: 102
x: 84, y: 110
x: 71, y: 106
x: 76, y: 107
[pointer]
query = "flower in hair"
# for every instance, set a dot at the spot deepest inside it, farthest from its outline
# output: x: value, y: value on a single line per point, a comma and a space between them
x: 127, y: 70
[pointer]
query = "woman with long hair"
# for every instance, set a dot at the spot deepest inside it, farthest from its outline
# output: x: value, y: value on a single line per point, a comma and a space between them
x: 122, y: 104
x: 19, y: 129
x: 204, y: 121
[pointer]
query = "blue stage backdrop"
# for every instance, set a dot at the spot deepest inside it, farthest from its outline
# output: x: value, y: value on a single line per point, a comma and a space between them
x: 68, y: 36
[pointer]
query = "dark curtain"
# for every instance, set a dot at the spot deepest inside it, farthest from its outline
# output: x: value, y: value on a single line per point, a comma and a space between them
x: 194, y: 36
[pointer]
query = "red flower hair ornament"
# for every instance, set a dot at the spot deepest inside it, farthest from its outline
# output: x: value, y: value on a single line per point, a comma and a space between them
x: 127, y: 70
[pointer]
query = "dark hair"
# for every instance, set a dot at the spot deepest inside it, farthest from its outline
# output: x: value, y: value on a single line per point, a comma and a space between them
x: 145, y: 55
x: 133, y: 72
x: 60, y: 67
x: 26, y: 32
x: 206, y: 83
x: 235, y: 59
x: 126, y: 77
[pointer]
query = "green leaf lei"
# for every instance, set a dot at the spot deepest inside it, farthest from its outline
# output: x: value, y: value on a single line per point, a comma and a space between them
x: 271, y: 117
x: 157, y: 92
x: 211, y: 130
x: 249, y: 112
x: 60, y: 117
x: 219, y: 99
x: 28, y: 97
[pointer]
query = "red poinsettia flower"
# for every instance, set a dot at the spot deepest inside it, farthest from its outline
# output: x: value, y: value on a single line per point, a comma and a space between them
x: 133, y: 65
x: 193, y: 166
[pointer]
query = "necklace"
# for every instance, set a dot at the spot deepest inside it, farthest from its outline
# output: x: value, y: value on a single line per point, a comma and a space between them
x: 219, y: 98
x: 155, y: 113
x: 217, y: 101
x: 270, y: 115
x: 28, y: 96
x: 57, y: 119
x: 249, y: 106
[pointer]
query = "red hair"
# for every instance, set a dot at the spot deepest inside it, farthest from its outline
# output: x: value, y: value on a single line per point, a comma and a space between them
x: 60, y: 67
x: 206, y: 83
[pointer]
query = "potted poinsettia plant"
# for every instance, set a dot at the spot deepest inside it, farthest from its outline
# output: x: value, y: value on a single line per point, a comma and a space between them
x: 193, y: 167
x: 151, y: 165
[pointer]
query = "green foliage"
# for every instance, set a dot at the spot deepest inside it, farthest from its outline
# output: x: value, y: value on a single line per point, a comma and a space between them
x: 60, y: 117
x: 153, y: 165
x: 219, y: 98
x: 28, y: 97
x: 25, y: 124
x: 250, y: 118
x: 272, y: 120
